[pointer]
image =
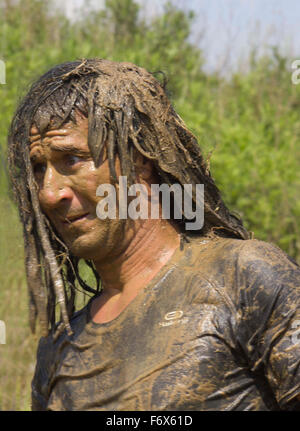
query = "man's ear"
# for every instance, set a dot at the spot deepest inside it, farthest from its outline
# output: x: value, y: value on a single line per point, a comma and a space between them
x: 144, y: 167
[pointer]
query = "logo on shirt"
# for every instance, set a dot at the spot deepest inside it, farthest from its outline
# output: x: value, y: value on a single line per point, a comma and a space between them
x: 173, y: 317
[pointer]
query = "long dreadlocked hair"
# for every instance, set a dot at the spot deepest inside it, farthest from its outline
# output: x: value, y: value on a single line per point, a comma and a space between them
x: 127, y: 110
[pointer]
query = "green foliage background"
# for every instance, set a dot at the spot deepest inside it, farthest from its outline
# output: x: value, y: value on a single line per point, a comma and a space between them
x: 248, y: 127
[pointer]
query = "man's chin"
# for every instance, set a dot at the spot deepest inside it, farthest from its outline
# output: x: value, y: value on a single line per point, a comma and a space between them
x: 85, y: 248
x: 82, y: 251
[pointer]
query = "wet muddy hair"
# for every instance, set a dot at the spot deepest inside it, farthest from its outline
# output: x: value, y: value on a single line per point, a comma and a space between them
x: 127, y: 110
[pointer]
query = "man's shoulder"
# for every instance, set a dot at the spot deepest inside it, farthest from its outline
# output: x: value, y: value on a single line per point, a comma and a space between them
x: 233, y: 264
x: 243, y: 253
x: 245, y: 273
x: 53, y: 340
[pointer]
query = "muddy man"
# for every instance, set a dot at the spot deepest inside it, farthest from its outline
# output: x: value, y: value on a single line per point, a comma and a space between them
x: 178, y: 318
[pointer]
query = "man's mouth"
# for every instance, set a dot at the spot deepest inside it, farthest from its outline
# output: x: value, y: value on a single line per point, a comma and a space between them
x: 74, y: 218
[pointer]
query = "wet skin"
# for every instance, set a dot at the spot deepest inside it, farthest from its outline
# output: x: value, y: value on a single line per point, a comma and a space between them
x: 67, y: 180
x: 127, y: 253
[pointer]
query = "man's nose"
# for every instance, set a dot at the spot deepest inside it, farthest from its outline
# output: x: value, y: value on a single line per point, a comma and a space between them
x: 56, y: 189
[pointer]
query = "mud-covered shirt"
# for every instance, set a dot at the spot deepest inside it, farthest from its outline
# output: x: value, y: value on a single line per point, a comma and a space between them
x: 218, y: 328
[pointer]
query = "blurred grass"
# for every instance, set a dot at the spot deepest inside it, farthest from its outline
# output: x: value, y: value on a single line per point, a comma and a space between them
x: 17, y: 356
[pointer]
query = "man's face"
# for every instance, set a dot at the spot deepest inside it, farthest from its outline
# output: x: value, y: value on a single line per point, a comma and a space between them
x: 67, y: 180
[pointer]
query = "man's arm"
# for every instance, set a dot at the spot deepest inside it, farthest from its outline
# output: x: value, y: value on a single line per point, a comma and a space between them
x: 269, y: 303
x: 42, y: 375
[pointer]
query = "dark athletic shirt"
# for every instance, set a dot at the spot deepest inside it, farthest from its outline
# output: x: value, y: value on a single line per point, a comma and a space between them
x: 218, y: 328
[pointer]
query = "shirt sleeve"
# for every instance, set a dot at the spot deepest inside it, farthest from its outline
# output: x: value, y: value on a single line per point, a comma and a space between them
x: 269, y: 322
x: 40, y: 389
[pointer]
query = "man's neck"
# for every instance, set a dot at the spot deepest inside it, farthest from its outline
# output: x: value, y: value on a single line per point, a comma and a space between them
x: 150, y: 249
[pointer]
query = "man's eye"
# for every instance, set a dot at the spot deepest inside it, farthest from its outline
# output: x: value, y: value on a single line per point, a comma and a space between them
x: 39, y: 169
x: 72, y: 160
